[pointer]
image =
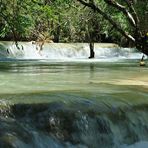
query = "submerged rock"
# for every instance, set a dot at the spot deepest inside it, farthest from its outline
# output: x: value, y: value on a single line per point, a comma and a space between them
x: 59, y: 125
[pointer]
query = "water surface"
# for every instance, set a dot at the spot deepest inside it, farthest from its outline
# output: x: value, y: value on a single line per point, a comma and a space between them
x: 73, y: 103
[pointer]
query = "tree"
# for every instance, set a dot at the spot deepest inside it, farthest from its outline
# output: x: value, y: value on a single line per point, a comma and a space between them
x: 16, y: 22
x: 70, y: 21
x: 128, y: 10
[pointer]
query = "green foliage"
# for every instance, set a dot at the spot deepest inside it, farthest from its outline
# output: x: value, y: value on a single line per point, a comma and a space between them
x: 67, y: 20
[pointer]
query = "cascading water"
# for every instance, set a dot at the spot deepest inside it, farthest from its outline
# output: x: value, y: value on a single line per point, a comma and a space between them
x: 58, y: 125
x: 28, y: 50
x: 78, y: 104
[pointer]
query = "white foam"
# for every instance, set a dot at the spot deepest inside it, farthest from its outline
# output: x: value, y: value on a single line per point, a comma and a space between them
x: 141, y: 144
x: 67, y: 51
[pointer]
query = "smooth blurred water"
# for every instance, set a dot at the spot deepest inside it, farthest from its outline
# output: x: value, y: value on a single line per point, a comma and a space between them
x: 37, y: 94
x: 74, y: 102
x: 91, y: 79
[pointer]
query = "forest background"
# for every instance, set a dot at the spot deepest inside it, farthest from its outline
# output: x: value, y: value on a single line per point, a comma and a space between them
x: 65, y: 21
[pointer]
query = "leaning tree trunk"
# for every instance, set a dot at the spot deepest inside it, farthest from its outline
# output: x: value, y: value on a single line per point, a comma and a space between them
x: 129, y: 12
x: 142, y: 44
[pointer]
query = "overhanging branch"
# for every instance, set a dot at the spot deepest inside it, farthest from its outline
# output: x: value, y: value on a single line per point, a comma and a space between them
x: 130, y: 5
x: 136, y: 18
x: 122, y: 9
x: 107, y: 17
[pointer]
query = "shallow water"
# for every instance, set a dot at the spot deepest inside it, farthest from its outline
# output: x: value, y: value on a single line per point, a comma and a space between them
x: 92, y: 80
x: 81, y: 104
x: 60, y: 99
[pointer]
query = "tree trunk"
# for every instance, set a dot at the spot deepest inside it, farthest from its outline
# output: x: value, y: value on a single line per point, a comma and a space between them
x: 58, y: 31
x: 131, y: 15
x: 142, y: 44
x: 92, y: 53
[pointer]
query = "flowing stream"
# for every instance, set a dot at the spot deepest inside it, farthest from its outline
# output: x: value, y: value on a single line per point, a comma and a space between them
x: 58, y: 98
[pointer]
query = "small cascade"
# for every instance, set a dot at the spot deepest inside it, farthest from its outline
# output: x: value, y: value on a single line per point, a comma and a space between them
x: 59, y: 125
x: 28, y: 50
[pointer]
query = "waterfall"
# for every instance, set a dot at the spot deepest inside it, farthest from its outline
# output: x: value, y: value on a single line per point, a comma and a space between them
x: 57, y: 125
x: 28, y: 50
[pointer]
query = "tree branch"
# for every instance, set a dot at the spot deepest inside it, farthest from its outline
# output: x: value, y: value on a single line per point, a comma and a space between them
x: 122, y: 9
x: 130, y: 5
x: 138, y: 33
x: 107, y: 17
